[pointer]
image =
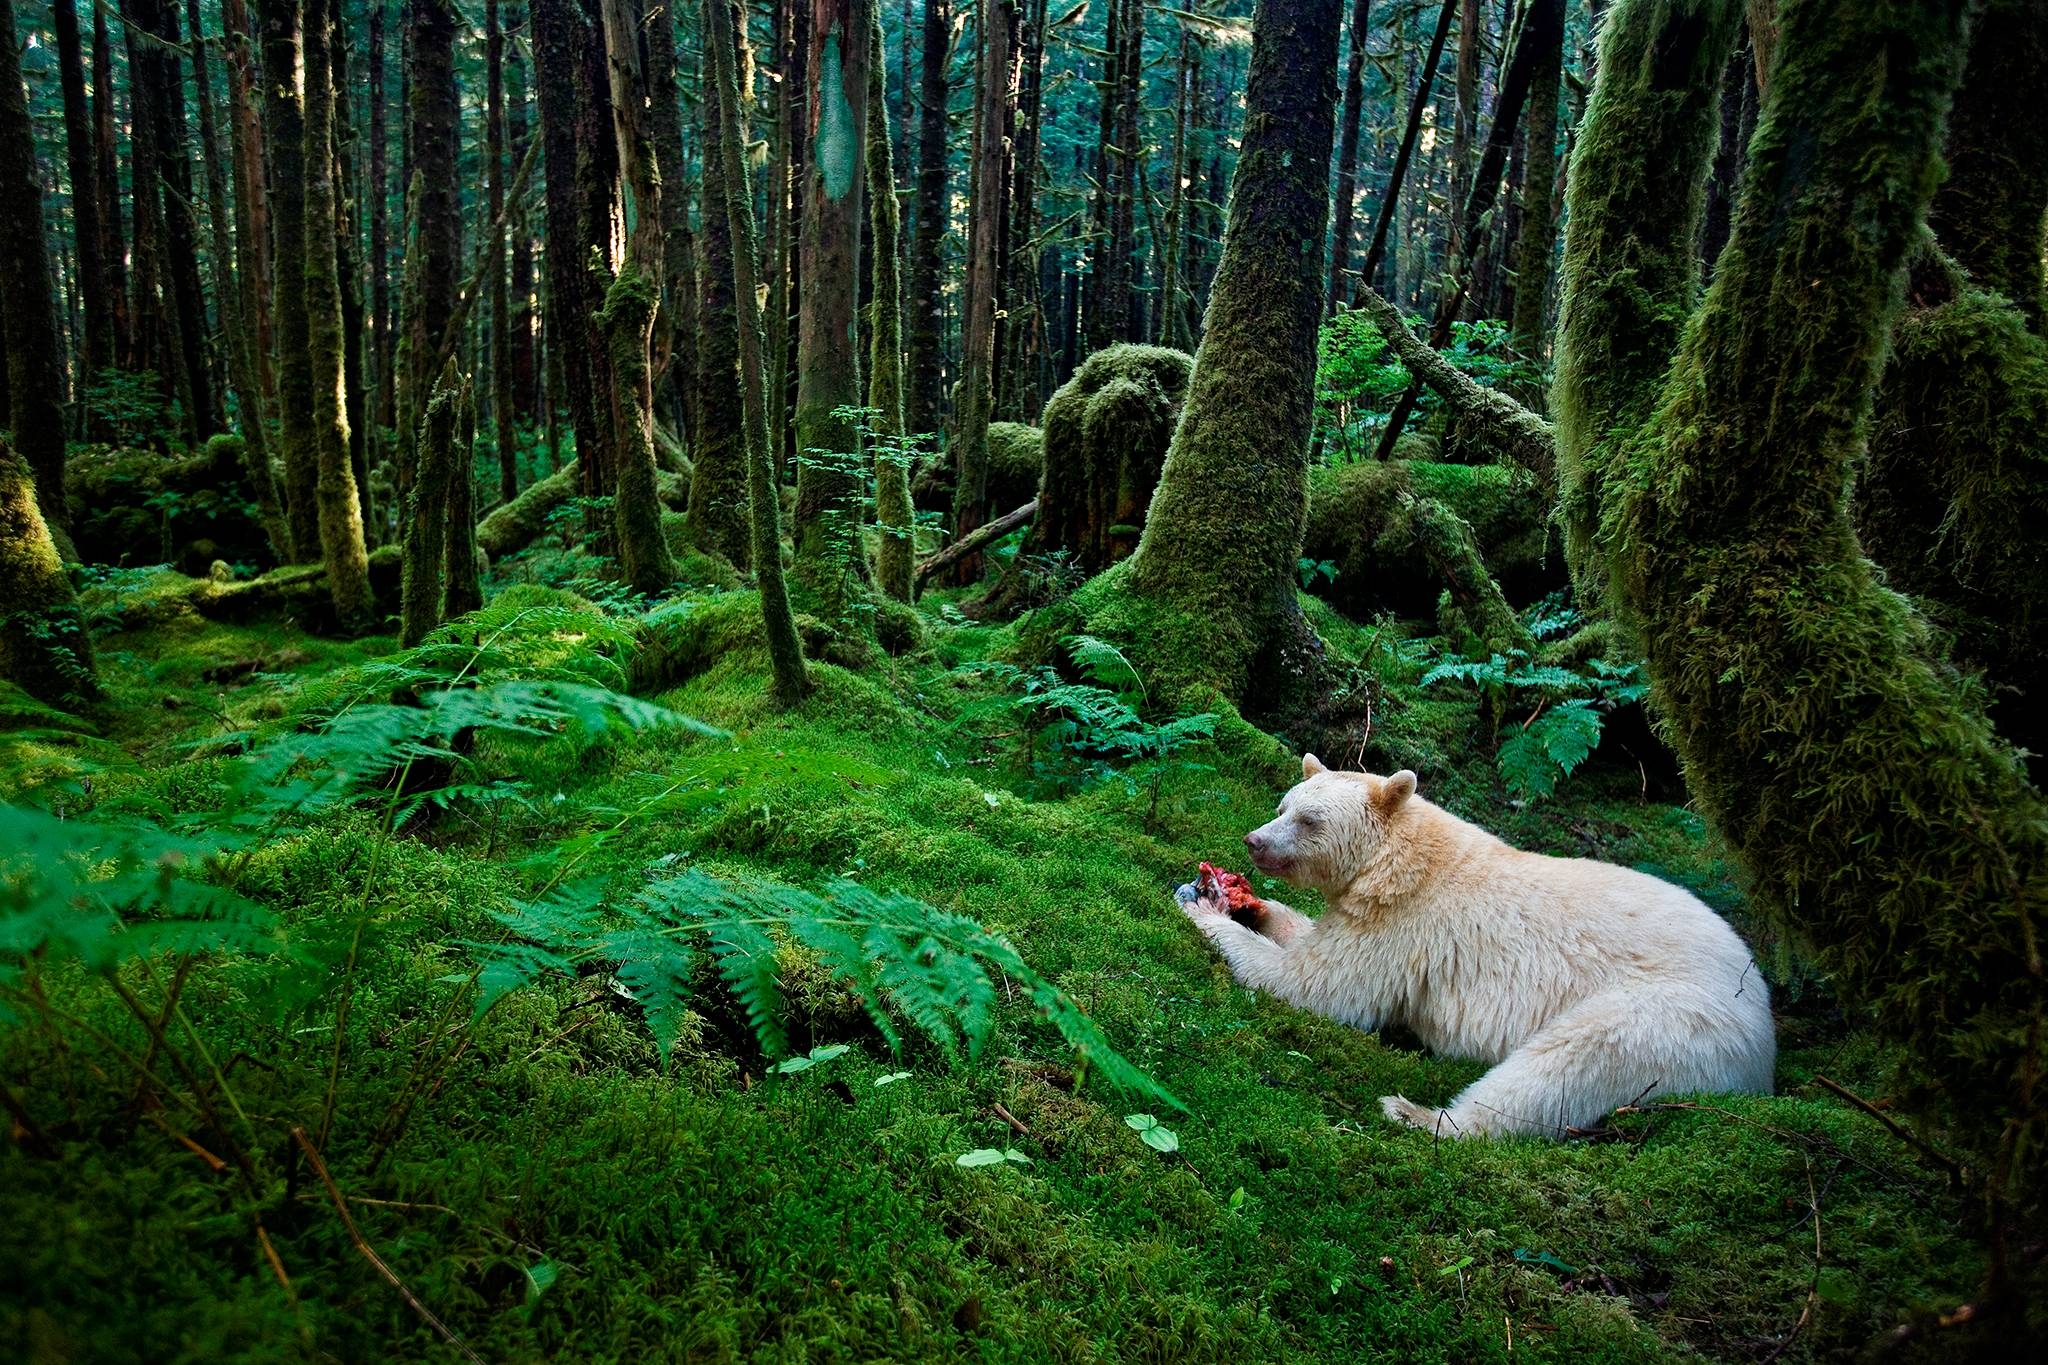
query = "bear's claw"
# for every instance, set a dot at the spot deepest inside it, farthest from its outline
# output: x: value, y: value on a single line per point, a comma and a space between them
x: 1401, y: 1109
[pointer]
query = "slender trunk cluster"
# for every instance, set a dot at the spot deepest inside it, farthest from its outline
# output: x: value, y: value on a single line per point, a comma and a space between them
x: 893, y: 513
x: 924, y: 407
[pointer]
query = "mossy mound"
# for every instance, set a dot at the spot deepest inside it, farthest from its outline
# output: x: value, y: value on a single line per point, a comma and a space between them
x: 1106, y: 434
x: 1016, y: 458
x: 131, y: 507
x: 1360, y: 521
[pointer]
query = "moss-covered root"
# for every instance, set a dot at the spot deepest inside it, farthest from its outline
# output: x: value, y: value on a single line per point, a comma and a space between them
x: 1214, y: 573
x: 1870, y: 803
x: 1634, y: 201
x: 1516, y: 432
x: 885, y: 362
x: 426, y: 516
x: 44, y: 648
x: 1475, y: 600
x: 1951, y: 500
x: 1991, y: 211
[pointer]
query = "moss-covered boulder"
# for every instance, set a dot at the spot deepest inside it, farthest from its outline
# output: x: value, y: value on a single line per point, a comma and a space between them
x: 1361, y: 522
x: 132, y: 507
x: 1016, y: 454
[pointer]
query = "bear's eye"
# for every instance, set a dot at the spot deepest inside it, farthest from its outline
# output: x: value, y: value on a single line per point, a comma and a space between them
x: 1309, y: 821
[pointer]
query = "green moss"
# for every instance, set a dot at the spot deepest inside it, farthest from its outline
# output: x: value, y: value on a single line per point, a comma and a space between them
x: 1955, y: 488
x: 1106, y: 434
x: 1634, y: 202
x: 44, y: 647
x: 1359, y: 521
x: 1016, y: 462
x: 1864, y: 796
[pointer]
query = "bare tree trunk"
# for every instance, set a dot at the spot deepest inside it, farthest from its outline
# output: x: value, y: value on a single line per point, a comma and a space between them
x: 885, y: 368
x: 974, y: 397
x: 719, y: 471
x: 284, y: 117
x: 34, y: 351
x: 1022, y: 332
x: 95, y: 296
x: 434, y: 257
x: 1390, y: 200
x: 828, y: 490
x: 501, y: 300
x: 108, y: 181
x: 924, y: 405
x: 1347, y: 155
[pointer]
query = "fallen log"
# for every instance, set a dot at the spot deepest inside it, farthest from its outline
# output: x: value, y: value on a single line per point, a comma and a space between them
x: 975, y: 540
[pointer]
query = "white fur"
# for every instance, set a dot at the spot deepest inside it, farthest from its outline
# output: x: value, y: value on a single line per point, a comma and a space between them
x: 1588, y: 985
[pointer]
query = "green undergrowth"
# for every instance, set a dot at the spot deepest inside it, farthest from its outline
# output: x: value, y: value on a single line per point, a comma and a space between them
x: 562, y: 1192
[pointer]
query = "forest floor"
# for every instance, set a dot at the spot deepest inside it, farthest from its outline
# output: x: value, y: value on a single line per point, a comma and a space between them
x: 558, y: 1193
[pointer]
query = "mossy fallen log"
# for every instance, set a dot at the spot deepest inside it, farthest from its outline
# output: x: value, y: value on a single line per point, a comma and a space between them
x: 1361, y: 521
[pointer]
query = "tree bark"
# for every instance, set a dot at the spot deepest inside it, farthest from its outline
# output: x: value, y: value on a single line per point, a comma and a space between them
x: 1390, y: 200
x: 426, y: 513
x: 891, y: 455
x: 719, y: 521
x: 1209, y: 596
x: 35, y: 349
x: 504, y: 433
x: 1347, y: 155
x: 113, y: 241
x: 631, y: 301
x: 45, y: 649
x: 828, y: 488
x: 434, y: 258
x: 284, y: 117
x: 924, y: 397
x: 974, y: 398
x: 785, y: 650
x: 340, y: 513
x: 97, y: 350
x: 1538, y: 240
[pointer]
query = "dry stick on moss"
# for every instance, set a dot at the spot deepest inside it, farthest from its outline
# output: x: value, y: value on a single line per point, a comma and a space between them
x: 1518, y: 433
x: 785, y: 650
x: 369, y: 1253
x: 1813, y: 1285
x: 1894, y: 1127
x: 975, y: 540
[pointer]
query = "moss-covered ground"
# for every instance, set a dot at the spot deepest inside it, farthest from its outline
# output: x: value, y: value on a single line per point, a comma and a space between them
x: 557, y: 1193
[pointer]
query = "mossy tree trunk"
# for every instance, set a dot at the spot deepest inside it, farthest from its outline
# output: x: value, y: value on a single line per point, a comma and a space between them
x: 785, y: 650
x: 893, y: 514
x: 424, y: 585
x: 1210, y: 592
x: 284, y: 136
x: 503, y: 429
x: 34, y: 351
x: 464, y: 589
x: 1870, y: 804
x: 924, y: 395
x: 112, y: 240
x: 1992, y: 211
x: 340, y: 513
x: 434, y: 258
x: 1634, y: 200
x: 675, y: 337
x: 1537, y: 243
x: 631, y: 301
x: 828, y: 486
x: 974, y: 397
x: 45, y: 649
x: 719, y: 522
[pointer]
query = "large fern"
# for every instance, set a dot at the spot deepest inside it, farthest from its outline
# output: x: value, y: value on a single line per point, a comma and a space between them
x: 903, y: 959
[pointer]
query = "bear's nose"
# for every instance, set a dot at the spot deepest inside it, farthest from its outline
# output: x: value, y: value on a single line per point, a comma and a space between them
x: 1255, y: 841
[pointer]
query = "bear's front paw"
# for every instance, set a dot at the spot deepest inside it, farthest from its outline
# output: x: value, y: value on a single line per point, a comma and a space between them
x: 1195, y: 905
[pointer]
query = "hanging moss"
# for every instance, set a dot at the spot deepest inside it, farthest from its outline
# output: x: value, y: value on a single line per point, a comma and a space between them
x: 1634, y: 201
x: 1954, y: 492
x: 1359, y: 522
x: 44, y: 647
x: 1875, y: 812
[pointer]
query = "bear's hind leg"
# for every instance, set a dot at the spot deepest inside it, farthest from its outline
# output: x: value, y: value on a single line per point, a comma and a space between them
x: 1564, y: 1079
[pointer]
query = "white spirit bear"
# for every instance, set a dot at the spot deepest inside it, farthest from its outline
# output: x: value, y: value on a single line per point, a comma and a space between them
x: 1587, y: 985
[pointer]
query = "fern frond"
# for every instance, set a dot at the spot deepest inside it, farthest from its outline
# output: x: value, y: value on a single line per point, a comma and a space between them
x: 1103, y: 662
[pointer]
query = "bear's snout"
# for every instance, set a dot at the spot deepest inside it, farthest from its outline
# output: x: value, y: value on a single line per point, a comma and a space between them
x: 1263, y: 854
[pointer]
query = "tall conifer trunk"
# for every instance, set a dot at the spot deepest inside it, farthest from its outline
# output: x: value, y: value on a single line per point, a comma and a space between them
x: 719, y: 521
x: 95, y: 296
x: 924, y: 394
x: 828, y: 502
x: 284, y: 131
x: 1347, y: 157
x: 893, y: 511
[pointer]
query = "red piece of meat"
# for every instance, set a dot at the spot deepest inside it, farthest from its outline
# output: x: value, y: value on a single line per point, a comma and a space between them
x: 1228, y: 887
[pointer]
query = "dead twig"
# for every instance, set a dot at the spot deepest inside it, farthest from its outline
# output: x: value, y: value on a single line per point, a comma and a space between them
x: 369, y: 1253
x: 1893, y: 1126
x: 1813, y: 1286
x: 1012, y: 1120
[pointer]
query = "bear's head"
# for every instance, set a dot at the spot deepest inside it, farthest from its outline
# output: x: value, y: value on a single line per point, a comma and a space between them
x: 1329, y: 826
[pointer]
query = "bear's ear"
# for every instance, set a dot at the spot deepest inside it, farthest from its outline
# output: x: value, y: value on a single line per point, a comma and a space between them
x: 1396, y: 790
x: 1311, y: 766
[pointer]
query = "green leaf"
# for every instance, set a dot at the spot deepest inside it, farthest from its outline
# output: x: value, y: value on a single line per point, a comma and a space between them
x: 981, y: 1156
x: 1161, y: 1138
x: 1455, y: 1266
x: 891, y: 1078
